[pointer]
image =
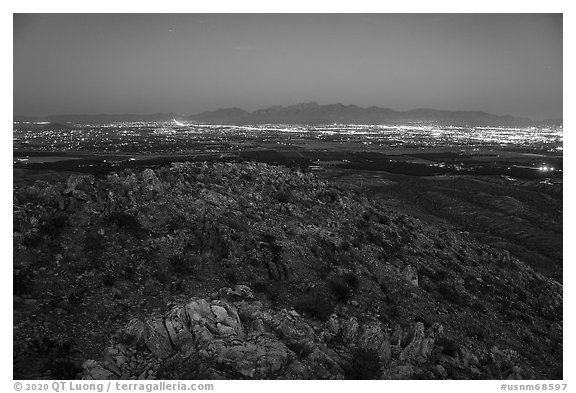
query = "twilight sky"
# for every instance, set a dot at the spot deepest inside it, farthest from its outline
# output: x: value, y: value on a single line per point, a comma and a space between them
x: 189, y: 63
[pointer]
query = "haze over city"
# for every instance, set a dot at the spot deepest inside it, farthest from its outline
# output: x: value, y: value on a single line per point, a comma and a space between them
x: 190, y: 63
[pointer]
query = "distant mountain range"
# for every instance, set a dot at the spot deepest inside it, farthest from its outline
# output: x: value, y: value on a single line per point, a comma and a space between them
x: 313, y: 113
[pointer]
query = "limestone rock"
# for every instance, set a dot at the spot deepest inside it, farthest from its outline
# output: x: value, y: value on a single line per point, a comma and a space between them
x: 157, y: 340
x: 402, y: 371
x: 94, y: 370
x: 151, y: 181
x: 350, y: 328
x: 422, y: 343
x: 373, y: 338
x: 411, y: 275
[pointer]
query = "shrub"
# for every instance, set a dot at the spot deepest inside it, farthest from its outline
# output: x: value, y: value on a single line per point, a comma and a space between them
x: 283, y: 196
x: 182, y: 264
x: 366, y: 364
x: 449, y: 346
x: 185, y: 368
x: 32, y: 240
x: 393, y: 312
x: 340, y: 290
x: 57, y: 353
x: 315, y: 306
x: 128, y: 223
x: 451, y: 294
x: 475, y: 331
x: 259, y: 286
x: 93, y: 241
x: 383, y: 288
x: 77, y: 293
x: 108, y: 279
x: 22, y: 280
x: 231, y: 278
x: 352, y: 280
x: 329, y: 196
x: 54, y: 225
x: 268, y: 289
x: 427, y: 322
x: 65, y: 369
x: 176, y: 222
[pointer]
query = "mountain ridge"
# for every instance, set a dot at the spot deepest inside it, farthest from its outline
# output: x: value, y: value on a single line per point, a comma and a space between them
x: 312, y: 113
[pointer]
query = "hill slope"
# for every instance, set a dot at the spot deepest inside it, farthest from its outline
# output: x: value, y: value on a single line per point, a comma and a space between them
x: 256, y: 271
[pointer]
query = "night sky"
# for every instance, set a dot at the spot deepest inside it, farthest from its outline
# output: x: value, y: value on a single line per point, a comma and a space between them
x: 189, y: 63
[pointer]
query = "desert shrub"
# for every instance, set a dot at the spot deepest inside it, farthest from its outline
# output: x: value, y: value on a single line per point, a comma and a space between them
x: 176, y: 222
x: 259, y: 286
x: 77, y: 293
x: 177, y: 287
x: 127, y: 268
x: 185, y: 368
x: 366, y: 364
x: 315, y: 250
x: 475, y: 332
x: 315, y: 306
x: 283, y: 196
x: 247, y: 177
x: 440, y: 275
x: 448, y: 346
x: 22, y: 280
x: 93, y: 241
x: 479, y: 307
x: 65, y: 369
x: 425, y: 320
x: 352, y: 281
x: 231, y: 278
x: 32, y: 240
x: 340, y: 290
x: 183, y: 264
x: 374, y: 237
x: 329, y: 196
x: 162, y: 276
x: 58, y: 354
x: 108, y: 279
x: 384, y: 219
x: 392, y: 311
x: 268, y: 238
x: 522, y: 295
x: 54, y: 225
x: 46, y: 345
x: 127, y: 223
x: 558, y: 372
x: 450, y: 293
x: 384, y: 287
x: 209, y: 240
x: 267, y: 288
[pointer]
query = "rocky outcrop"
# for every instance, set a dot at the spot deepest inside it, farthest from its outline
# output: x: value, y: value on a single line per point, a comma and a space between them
x: 237, y: 336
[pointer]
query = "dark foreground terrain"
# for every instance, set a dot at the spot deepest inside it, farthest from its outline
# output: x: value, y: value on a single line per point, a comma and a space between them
x: 245, y: 270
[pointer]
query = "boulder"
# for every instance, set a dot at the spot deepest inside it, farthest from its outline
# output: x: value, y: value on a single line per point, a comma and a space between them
x: 411, y: 275
x: 158, y: 340
x: 177, y: 327
x: 151, y: 181
x: 373, y: 338
x: 422, y: 342
x: 402, y: 371
x: 94, y: 370
x: 350, y: 328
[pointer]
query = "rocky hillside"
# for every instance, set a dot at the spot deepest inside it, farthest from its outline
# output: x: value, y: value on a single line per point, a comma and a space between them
x: 255, y: 271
